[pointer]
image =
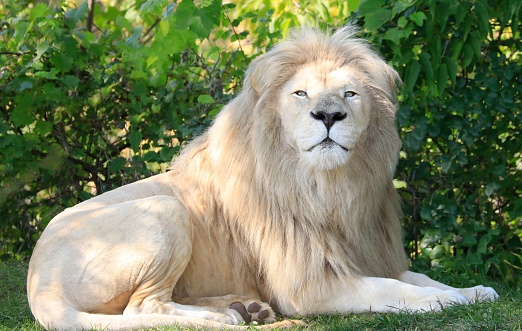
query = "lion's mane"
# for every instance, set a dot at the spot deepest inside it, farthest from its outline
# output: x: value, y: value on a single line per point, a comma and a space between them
x: 293, y: 225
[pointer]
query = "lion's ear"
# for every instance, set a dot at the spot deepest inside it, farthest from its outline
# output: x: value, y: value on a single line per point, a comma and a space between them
x: 255, y: 76
x: 384, y: 78
x: 394, y: 82
x: 255, y: 83
x: 270, y: 70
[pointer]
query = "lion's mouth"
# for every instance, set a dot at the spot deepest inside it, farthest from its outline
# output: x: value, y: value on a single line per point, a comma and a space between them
x: 327, y: 143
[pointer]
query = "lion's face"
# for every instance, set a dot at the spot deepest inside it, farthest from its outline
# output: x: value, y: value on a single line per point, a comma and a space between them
x: 324, y: 111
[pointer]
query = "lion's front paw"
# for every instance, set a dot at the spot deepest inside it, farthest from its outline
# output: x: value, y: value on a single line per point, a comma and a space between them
x: 254, y: 311
x: 480, y: 293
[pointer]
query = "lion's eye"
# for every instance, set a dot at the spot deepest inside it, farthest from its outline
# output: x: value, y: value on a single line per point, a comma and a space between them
x: 300, y: 94
x: 349, y: 94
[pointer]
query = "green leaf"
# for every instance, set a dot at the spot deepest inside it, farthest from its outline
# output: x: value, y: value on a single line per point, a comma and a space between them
x: 39, y: 10
x: 164, y: 27
x: 138, y: 74
x: 424, y: 58
x: 20, y: 30
x: 457, y: 49
x: 116, y: 164
x: 418, y: 18
x: 468, y: 241
x: 53, y: 93
x: 167, y: 153
x: 173, y: 43
x: 443, y: 78
x: 468, y: 55
x: 201, y: 20
x: 169, y: 9
x: 446, y: 162
x: 394, y: 35
x: 483, y: 243
x: 205, y: 98
x: 43, y: 127
x: 71, y: 81
x: 136, y: 33
x: 151, y: 60
x: 402, y: 22
x: 466, y: 26
x: 474, y: 258
x: 62, y: 61
x: 370, y: 6
x: 399, y: 184
x: 51, y: 74
x: 41, y: 49
x: 84, y: 195
x: 213, y: 113
x: 491, y: 188
x: 78, y: 14
x: 413, y: 75
x: 25, y: 85
x: 442, y: 11
x: 376, y: 19
x: 483, y: 17
x: 152, y: 5
x: 22, y: 114
x: 462, y: 11
x: 122, y: 22
x: 353, y: 5
x: 400, y: 6
x: 475, y: 42
x: 452, y: 69
x: 135, y: 138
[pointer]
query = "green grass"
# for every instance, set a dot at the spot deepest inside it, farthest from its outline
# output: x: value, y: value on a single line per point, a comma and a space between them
x: 504, y: 314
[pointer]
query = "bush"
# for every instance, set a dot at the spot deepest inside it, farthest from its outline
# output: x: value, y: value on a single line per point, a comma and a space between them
x: 460, y: 120
x: 93, y: 99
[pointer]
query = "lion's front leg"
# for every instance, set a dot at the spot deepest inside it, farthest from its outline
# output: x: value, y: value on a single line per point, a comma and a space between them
x: 478, y: 293
x: 383, y: 295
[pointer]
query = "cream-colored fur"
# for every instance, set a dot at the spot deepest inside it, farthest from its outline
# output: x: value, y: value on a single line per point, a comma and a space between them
x: 287, y: 202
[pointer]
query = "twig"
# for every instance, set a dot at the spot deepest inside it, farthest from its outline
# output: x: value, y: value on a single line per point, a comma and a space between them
x: 143, y: 41
x: 237, y: 36
x: 14, y: 53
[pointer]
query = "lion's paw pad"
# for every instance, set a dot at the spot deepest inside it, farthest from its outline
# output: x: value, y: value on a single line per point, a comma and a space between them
x: 258, y: 312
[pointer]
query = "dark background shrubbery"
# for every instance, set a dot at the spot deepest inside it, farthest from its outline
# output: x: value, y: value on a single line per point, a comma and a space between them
x: 93, y: 97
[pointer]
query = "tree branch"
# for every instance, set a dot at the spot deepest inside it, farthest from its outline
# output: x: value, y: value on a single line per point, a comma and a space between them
x: 90, y: 14
x: 143, y: 40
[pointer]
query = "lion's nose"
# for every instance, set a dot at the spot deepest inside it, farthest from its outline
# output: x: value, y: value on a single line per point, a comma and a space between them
x: 328, y: 118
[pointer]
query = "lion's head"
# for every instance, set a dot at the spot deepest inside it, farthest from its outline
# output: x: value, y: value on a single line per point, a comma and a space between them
x: 326, y: 91
x: 324, y: 112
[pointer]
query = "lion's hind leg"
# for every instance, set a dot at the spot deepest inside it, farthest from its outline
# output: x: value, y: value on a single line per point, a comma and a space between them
x: 93, y: 264
x: 251, y: 310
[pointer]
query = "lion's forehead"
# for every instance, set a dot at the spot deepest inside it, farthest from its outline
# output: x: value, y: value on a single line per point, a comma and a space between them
x: 316, y: 79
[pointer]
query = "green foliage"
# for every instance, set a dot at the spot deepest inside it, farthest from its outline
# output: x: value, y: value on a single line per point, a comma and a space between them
x: 459, y: 118
x: 86, y: 110
x: 83, y: 112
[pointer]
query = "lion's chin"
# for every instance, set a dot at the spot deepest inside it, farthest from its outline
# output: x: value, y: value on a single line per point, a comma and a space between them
x: 327, y: 156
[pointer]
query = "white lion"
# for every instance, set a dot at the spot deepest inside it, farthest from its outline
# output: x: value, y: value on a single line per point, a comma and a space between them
x: 285, y: 203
